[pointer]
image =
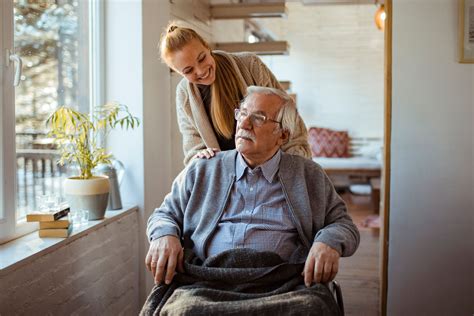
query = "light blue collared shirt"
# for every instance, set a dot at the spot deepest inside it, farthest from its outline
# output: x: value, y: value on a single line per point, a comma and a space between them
x: 257, y: 215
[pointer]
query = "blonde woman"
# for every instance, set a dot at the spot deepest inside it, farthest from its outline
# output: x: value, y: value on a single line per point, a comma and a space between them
x: 214, y: 83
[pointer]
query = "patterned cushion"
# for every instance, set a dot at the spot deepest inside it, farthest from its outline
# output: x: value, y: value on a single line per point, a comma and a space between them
x: 326, y: 142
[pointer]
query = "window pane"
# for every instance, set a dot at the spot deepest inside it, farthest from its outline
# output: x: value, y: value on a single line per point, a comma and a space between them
x: 49, y: 36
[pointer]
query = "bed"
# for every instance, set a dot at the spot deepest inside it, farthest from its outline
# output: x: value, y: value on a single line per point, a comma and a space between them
x: 351, y: 166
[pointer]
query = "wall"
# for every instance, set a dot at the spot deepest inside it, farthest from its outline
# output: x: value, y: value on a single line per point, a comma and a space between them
x: 80, y: 277
x: 335, y: 65
x: 136, y: 76
x: 124, y: 83
x: 431, y: 240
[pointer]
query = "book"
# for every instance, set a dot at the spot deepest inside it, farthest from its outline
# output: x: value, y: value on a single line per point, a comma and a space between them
x: 55, y: 232
x: 60, y: 223
x: 44, y: 217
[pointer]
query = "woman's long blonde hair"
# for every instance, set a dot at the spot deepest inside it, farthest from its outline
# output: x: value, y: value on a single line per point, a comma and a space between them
x: 227, y: 89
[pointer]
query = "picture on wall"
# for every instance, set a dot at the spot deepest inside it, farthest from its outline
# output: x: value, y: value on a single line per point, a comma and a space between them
x: 466, y: 31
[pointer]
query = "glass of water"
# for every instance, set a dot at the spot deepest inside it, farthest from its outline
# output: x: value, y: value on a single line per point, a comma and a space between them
x: 79, y: 218
x: 47, y: 203
x: 84, y: 217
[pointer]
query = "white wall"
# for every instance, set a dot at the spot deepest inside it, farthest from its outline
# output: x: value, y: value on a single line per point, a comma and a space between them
x: 431, y: 240
x: 335, y: 65
x: 136, y: 77
x: 96, y: 274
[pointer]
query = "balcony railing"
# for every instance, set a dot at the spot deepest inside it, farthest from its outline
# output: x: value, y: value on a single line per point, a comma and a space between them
x: 37, y: 170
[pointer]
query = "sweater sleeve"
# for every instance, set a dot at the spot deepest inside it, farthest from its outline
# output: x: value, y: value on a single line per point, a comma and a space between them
x: 168, y: 218
x: 262, y: 75
x: 339, y: 232
x: 192, y: 140
x: 298, y: 143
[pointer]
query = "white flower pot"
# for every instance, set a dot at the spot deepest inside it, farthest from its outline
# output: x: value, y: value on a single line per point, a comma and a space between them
x: 90, y: 194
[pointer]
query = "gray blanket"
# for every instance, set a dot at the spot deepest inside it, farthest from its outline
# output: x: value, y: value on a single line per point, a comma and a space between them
x: 240, y: 282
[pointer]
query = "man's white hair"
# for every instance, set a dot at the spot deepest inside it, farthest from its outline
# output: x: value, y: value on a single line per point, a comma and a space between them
x: 287, y: 115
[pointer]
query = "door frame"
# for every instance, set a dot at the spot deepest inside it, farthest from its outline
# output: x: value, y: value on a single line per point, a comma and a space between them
x: 384, y: 233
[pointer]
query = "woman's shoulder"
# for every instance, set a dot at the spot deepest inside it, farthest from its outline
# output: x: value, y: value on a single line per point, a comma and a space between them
x: 183, y: 85
x: 182, y: 94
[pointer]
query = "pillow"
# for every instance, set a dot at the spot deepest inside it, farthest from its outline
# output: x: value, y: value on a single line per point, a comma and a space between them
x: 325, y: 142
x: 372, y: 151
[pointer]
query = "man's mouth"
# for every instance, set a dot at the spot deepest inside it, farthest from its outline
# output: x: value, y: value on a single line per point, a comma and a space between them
x: 246, y: 137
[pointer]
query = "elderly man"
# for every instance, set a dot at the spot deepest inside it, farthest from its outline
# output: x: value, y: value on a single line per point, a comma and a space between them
x: 255, y: 197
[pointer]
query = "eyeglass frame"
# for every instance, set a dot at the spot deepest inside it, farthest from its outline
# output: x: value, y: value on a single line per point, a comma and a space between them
x: 253, y: 117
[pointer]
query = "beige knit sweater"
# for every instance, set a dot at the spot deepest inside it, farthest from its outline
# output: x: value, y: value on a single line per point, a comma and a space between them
x: 194, y: 122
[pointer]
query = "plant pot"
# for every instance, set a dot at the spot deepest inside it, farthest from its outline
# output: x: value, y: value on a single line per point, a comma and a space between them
x: 88, y: 194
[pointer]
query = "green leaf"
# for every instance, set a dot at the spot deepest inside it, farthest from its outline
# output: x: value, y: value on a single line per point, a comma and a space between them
x: 75, y: 133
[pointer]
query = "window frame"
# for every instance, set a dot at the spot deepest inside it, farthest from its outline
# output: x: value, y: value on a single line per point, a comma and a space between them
x: 7, y: 141
x: 93, y: 90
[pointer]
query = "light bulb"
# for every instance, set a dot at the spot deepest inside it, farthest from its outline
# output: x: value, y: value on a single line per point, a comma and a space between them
x: 380, y: 17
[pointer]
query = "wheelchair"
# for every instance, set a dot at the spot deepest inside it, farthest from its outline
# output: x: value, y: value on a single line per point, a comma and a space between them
x: 335, y: 289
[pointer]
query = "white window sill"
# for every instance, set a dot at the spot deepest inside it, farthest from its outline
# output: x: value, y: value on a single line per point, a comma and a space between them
x: 23, y: 250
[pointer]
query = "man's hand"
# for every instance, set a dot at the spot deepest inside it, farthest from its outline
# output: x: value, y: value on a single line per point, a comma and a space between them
x: 164, y: 255
x: 321, y: 265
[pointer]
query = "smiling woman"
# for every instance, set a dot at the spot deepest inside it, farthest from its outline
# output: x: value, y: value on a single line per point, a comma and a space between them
x: 214, y: 83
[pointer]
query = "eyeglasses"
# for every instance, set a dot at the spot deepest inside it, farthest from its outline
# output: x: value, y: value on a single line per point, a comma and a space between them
x: 256, y: 119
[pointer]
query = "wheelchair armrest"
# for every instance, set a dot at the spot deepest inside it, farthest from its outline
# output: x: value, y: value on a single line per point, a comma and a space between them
x: 336, y: 291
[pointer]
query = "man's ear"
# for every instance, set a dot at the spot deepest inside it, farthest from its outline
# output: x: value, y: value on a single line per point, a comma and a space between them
x: 285, y: 136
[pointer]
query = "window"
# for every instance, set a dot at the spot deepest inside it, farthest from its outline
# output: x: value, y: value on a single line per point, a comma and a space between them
x: 56, y: 41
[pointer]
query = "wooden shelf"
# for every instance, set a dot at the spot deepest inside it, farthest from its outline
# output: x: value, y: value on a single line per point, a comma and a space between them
x: 286, y: 85
x: 336, y: 2
x: 260, y: 48
x: 244, y: 11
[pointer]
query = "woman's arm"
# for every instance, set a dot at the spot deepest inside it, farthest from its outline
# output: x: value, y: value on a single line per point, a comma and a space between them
x: 192, y: 140
x: 262, y: 75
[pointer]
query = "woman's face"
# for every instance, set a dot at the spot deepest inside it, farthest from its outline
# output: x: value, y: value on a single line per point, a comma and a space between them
x: 195, y: 63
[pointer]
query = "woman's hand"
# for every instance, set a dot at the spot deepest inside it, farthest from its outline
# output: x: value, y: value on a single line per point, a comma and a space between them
x: 207, y: 153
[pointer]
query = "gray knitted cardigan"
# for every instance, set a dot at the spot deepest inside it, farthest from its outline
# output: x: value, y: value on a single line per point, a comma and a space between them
x: 192, y: 209
x: 195, y: 125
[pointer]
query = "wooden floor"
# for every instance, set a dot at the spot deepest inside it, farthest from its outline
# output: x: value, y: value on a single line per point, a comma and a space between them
x: 359, y: 274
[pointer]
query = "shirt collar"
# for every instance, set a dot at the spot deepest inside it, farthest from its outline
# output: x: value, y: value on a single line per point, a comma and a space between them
x: 269, y: 168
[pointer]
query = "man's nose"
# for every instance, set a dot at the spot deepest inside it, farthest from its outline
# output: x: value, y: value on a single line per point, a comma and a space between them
x: 245, y: 122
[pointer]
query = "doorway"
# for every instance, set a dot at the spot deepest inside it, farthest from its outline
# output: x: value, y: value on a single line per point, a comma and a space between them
x: 330, y: 104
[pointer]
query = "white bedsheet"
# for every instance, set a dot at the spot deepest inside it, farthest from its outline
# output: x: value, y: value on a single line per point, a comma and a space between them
x: 348, y: 163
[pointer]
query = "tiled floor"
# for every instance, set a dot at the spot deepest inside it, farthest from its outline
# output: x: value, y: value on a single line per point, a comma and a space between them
x: 359, y: 274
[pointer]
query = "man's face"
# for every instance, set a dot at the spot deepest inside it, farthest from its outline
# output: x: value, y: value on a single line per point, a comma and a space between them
x: 258, y: 144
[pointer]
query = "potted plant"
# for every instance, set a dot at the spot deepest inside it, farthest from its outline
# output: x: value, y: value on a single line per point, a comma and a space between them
x: 77, y: 136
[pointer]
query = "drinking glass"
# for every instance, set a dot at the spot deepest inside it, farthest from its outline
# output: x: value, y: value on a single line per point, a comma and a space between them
x: 47, y: 203
x: 74, y: 218
x: 84, y: 217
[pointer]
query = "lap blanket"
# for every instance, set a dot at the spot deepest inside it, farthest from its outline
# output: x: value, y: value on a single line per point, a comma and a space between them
x: 239, y: 282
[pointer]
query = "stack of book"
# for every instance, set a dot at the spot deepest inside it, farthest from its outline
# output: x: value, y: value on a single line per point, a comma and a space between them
x: 52, y: 224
